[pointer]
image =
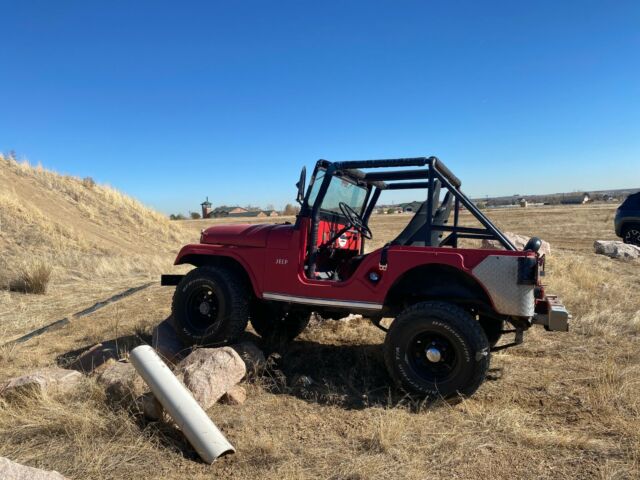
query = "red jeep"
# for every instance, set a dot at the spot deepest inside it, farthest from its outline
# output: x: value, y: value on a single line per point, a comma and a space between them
x: 449, y: 304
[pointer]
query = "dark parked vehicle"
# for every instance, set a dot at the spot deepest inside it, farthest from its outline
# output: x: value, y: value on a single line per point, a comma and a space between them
x: 627, y: 220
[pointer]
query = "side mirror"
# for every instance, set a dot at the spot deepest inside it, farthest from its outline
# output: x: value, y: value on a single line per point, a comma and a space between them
x: 301, y: 185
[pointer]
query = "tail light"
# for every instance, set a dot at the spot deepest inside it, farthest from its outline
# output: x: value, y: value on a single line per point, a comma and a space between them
x: 528, y: 271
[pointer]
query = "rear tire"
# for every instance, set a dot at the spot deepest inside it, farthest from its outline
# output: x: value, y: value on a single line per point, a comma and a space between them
x: 437, y: 349
x: 274, y: 324
x: 210, y: 306
x: 631, y: 234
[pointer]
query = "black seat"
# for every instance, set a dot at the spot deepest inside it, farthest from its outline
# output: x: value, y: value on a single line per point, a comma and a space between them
x: 415, y: 233
x: 441, y: 217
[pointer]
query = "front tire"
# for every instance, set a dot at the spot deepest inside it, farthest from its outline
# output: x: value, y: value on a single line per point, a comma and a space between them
x: 437, y: 349
x: 210, y: 306
x: 631, y: 234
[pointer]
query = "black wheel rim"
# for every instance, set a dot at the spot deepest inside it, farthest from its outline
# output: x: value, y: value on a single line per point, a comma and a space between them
x: 202, y: 308
x: 433, y: 357
x: 633, y: 236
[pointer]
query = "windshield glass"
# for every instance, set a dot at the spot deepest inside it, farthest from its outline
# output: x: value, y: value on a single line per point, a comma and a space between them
x: 340, y: 190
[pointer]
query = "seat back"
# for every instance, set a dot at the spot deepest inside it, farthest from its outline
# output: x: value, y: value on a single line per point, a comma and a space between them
x: 441, y: 217
x: 414, y: 233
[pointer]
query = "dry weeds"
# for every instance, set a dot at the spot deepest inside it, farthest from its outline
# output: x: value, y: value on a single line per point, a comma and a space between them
x: 33, y: 277
x: 559, y: 406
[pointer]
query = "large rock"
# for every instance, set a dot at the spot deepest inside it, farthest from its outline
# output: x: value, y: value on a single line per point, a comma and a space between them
x: 518, y: 240
x: 43, y: 380
x: 252, y: 356
x: 235, y: 396
x: 14, y: 471
x: 166, y: 342
x: 211, y: 372
x: 121, y: 382
x: 616, y: 249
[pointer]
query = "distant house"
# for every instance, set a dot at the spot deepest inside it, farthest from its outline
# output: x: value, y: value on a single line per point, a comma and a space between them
x: 247, y: 214
x: 225, y: 211
x: 523, y: 202
x: 270, y: 213
x: 575, y: 199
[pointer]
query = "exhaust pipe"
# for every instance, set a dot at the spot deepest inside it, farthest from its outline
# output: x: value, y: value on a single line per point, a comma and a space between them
x: 196, y: 425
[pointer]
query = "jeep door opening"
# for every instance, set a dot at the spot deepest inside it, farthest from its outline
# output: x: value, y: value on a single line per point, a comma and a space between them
x: 449, y: 304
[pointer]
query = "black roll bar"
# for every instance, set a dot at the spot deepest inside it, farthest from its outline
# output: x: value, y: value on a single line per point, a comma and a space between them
x: 392, y: 162
x: 469, y: 205
x: 407, y: 185
x: 432, y: 162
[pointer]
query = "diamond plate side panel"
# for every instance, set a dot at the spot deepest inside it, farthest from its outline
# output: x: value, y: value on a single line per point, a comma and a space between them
x: 499, y: 275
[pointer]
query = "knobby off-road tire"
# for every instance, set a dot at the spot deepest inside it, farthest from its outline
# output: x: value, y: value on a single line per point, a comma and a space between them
x: 450, y: 333
x: 210, y: 306
x: 274, y: 324
x: 631, y: 234
x: 492, y: 329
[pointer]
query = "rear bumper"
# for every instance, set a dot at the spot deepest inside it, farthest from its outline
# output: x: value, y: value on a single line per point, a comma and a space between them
x: 552, y: 314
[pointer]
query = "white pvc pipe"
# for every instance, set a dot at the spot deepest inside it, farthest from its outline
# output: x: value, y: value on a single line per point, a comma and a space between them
x: 196, y: 425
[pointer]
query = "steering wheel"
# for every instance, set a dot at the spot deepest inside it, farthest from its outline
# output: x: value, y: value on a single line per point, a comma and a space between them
x: 355, y: 220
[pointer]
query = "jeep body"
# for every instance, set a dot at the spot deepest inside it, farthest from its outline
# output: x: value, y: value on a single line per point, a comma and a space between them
x: 318, y: 264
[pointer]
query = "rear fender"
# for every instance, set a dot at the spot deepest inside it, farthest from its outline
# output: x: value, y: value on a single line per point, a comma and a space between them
x: 200, y: 254
x: 437, y: 281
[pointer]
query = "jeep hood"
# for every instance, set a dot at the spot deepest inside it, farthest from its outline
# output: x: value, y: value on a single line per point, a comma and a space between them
x: 245, y: 235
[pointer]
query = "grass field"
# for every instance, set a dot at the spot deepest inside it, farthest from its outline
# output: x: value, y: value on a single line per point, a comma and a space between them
x: 562, y: 405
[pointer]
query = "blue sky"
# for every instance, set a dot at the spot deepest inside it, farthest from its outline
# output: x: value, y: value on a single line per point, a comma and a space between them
x: 172, y: 101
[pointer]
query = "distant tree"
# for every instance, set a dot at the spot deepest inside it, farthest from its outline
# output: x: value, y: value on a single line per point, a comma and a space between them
x: 291, y: 209
x: 391, y: 210
x: 270, y: 207
x: 195, y: 215
x: 177, y: 216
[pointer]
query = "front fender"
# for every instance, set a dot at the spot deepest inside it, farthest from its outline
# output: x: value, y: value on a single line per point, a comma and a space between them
x: 202, y: 254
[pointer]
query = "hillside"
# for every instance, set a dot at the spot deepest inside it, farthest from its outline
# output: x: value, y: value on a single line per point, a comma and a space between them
x: 91, y: 237
x: 51, y: 215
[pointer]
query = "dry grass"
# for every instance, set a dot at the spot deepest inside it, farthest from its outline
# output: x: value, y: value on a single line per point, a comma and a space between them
x: 559, y: 406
